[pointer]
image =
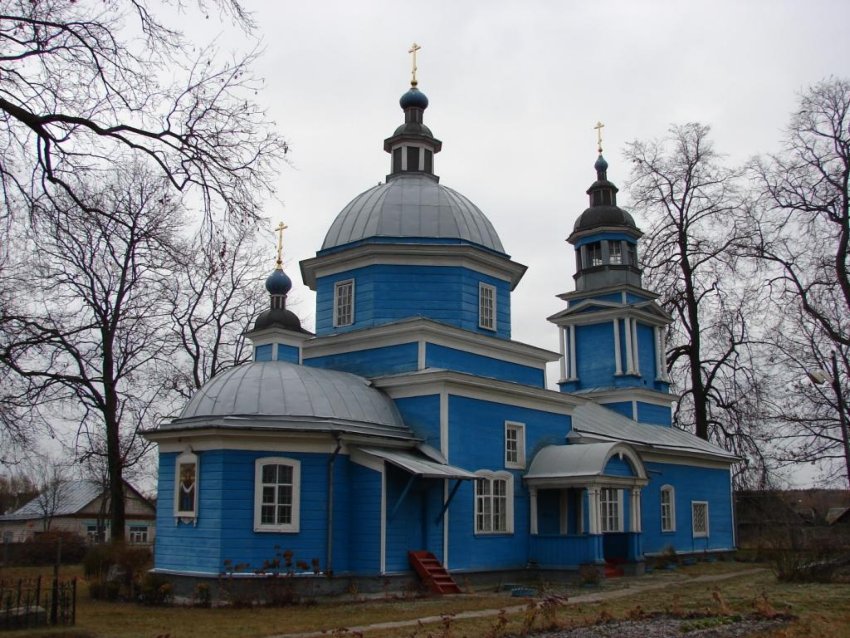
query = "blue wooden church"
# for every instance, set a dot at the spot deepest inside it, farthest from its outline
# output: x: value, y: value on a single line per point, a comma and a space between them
x: 411, y: 421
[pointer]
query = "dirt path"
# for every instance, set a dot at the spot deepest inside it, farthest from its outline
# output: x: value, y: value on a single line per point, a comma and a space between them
x: 635, y: 587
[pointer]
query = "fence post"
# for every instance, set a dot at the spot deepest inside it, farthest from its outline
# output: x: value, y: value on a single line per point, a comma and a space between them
x: 54, y: 604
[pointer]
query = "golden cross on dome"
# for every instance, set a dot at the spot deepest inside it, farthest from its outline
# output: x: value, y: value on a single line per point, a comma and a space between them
x: 599, y: 126
x: 412, y: 50
x: 279, y: 230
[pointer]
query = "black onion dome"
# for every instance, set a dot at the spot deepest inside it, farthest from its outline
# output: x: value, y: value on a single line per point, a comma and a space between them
x: 603, y: 211
x: 278, y: 317
x: 599, y: 216
x: 278, y: 283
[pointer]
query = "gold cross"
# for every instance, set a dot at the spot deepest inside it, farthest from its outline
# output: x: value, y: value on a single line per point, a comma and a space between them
x: 412, y: 50
x: 279, y: 230
x: 599, y: 126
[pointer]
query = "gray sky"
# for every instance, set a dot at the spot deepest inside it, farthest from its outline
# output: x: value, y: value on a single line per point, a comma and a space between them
x: 515, y: 89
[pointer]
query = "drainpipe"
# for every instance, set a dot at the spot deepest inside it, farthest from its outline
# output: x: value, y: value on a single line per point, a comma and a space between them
x: 329, y: 562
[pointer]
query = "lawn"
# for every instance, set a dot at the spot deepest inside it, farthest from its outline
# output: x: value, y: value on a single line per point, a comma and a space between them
x: 821, y: 609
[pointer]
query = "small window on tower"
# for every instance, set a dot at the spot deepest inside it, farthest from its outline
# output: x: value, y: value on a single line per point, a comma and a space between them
x: 631, y: 255
x: 615, y: 252
x: 594, y: 254
x: 412, y: 158
x: 486, y: 306
x: 429, y: 161
x: 397, y: 160
x: 344, y: 303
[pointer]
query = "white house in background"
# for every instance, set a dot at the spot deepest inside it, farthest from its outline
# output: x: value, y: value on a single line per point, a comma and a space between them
x: 80, y: 507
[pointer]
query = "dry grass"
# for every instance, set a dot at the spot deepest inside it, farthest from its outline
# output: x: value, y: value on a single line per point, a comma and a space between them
x: 822, y: 610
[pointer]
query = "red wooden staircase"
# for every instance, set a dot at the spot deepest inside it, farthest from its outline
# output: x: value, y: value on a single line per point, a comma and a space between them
x: 432, y: 572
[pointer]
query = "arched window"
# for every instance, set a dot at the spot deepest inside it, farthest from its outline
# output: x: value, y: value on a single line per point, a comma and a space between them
x: 494, y: 503
x: 668, y: 509
x: 277, y: 495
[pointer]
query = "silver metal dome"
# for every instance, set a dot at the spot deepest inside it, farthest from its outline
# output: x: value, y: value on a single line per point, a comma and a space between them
x: 281, y: 389
x: 412, y: 206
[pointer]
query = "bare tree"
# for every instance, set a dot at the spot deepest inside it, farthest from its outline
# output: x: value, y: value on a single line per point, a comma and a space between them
x: 213, y: 298
x: 692, y: 202
x: 16, y: 489
x: 800, y: 230
x: 90, y: 338
x: 51, y: 490
x: 84, y: 81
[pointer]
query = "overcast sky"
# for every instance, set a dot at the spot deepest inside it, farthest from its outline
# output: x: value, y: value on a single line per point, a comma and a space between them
x: 515, y: 89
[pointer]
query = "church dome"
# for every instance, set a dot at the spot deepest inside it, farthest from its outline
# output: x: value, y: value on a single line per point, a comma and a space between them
x: 602, y: 216
x: 412, y: 206
x: 292, y: 391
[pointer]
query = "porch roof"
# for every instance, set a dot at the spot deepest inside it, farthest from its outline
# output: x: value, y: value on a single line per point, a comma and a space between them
x: 418, y: 465
x: 581, y: 463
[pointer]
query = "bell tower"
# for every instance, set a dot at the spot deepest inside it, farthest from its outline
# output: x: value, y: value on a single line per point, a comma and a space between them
x: 612, y: 332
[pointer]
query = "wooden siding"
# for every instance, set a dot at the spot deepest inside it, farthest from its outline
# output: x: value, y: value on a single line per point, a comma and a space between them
x: 437, y: 356
x: 422, y: 415
x: 385, y: 294
x: 477, y: 430
x: 371, y: 362
x: 654, y: 414
x: 690, y: 484
x: 364, y: 520
x: 617, y: 466
x: 595, y: 355
x: 287, y: 353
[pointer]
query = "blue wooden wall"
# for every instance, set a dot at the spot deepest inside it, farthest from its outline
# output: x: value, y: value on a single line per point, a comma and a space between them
x: 452, y: 359
x: 384, y: 294
x: 371, y: 362
x: 654, y: 414
x: 691, y: 484
x: 422, y: 415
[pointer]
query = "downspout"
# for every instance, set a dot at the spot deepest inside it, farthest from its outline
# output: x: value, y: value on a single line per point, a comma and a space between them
x: 329, y: 562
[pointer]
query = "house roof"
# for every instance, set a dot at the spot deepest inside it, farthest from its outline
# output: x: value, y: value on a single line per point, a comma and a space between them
x: 72, y: 496
x: 600, y: 422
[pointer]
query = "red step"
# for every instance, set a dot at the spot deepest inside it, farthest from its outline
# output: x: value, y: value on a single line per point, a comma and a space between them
x: 432, y: 572
x: 613, y: 569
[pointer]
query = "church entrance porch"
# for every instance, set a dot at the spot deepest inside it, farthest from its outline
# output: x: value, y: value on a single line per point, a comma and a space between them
x: 585, y: 505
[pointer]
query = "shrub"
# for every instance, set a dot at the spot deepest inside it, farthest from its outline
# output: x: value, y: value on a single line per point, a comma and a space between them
x: 155, y: 589
x: 41, y: 550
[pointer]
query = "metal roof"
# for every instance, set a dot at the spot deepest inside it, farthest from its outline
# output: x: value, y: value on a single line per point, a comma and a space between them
x: 418, y: 465
x: 266, y: 389
x: 597, y: 420
x: 71, y: 497
x: 413, y: 206
x: 576, y: 460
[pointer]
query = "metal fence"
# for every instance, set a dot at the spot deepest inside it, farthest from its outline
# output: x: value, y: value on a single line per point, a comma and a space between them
x: 35, y: 603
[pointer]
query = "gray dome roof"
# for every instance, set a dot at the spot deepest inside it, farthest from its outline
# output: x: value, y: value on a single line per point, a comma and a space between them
x: 412, y: 206
x: 281, y: 389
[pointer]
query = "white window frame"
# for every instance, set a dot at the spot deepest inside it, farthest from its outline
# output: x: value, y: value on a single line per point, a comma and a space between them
x: 294, y: 524
x: 514, y: 445
x: 138, y: 534
x: 486, y: 306
x: 615, y: 252
x: 341, y: 317
x: 668, y: 509
x: 487, y: 503
x: 186, y: 458
x: 610, y: 510
x: 699, y: 533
